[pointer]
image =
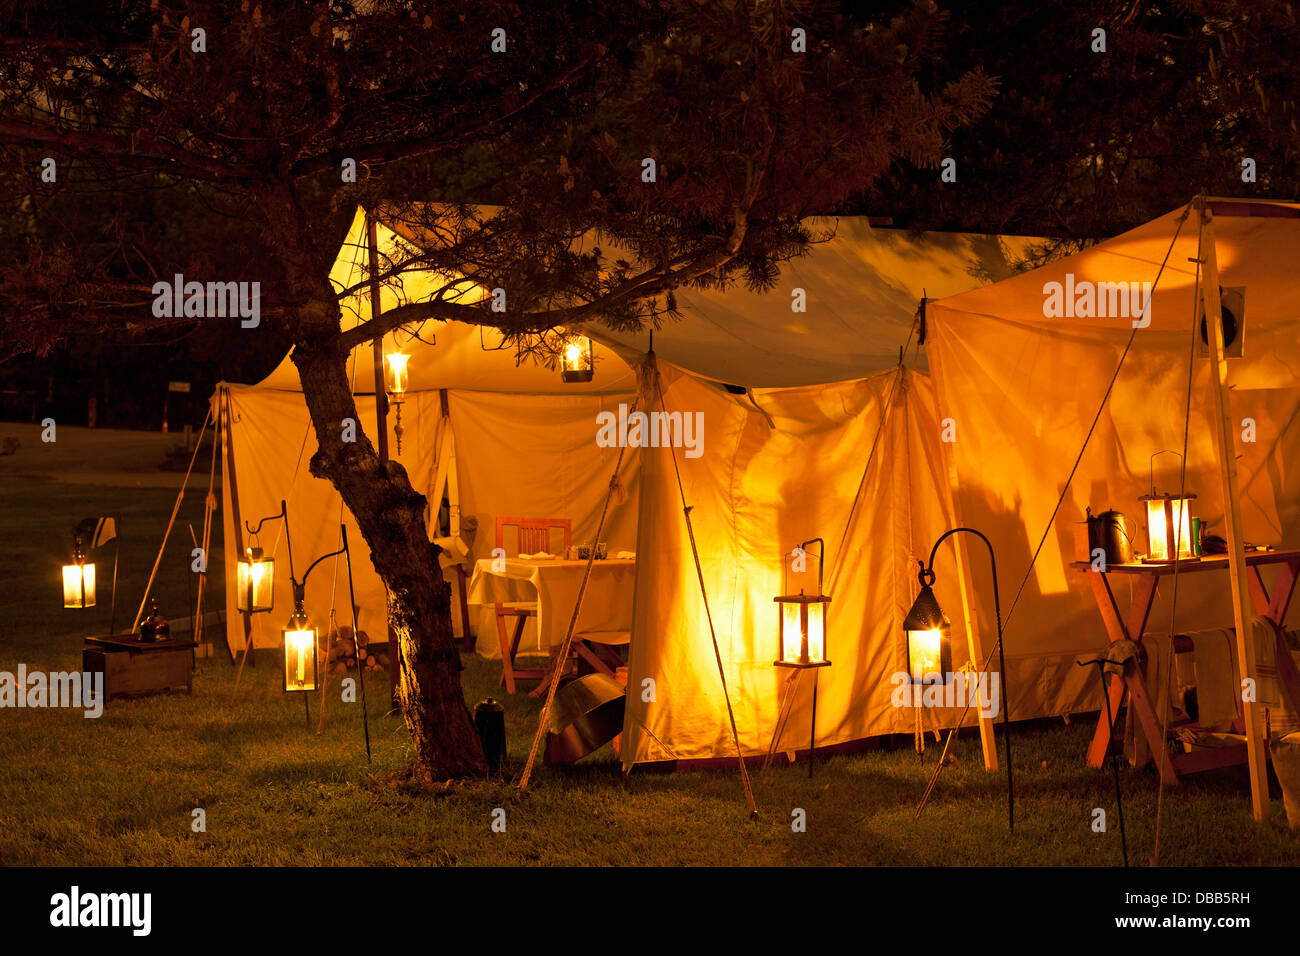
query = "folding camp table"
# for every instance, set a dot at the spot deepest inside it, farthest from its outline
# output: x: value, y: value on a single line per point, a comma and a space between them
x: 1130, y: 627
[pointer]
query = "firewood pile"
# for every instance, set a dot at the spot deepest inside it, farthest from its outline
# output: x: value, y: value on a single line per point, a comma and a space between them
x: 343, y: 653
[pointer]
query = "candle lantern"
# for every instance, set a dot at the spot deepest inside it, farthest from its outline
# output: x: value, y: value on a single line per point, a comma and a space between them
x: 255, y: 582
x: 1169, y: 527
x: 577, y: 363
x: 929, y: 636
x: 299, y: 650
x: 803, y: 630
x: 397, y: 362
x: 929, y: 651
x: 397, y: 390
x: 78, y: 578
x: 803, y: 624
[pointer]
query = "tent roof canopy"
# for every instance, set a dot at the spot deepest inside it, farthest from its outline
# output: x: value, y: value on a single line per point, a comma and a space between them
x: 1255, y: 242
x: 860, y: 292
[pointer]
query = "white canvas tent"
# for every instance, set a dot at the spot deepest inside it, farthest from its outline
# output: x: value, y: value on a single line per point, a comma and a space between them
x: 787, y: 461
x: 1023, y: 389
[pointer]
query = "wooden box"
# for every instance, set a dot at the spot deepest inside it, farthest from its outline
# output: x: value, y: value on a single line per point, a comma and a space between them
x: 131, y: 668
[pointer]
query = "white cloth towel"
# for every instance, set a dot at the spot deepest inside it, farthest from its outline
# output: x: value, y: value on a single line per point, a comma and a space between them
x: 1216, y: 697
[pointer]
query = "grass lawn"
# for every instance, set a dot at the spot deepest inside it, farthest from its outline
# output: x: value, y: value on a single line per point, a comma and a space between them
x: 121, y: 789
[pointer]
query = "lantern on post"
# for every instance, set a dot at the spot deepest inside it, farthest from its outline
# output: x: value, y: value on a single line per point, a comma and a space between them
x: 925, y: 627
x: 929, y: 636
x: 78, y: 578
x: 1169, y: 522
x: 299, y: 636
x: 577, y: 364
x: 802, y: 646
x: 299, y: 647
x: 396, y: 387
x: 255, y: 573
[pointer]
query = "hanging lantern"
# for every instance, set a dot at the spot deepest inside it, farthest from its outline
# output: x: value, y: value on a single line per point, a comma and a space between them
x: 255, y: 582
x: 1169, y: 525
x: 929, y: 636
x: 803, y: 630
x: 397, y: 362
x: 397, y: 390
x: 78, y: 579
x: 577, y: 364
x: 299, y: 653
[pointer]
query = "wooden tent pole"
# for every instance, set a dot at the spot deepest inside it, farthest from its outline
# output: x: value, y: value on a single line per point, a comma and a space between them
x: 377, y: 346
x: 381, y: 421
x: 1226, y: 448
x: 975, y: 646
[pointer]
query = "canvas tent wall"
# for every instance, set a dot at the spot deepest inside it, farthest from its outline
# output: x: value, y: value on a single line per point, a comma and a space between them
x: 779, y: 467
x: 1023, y: 388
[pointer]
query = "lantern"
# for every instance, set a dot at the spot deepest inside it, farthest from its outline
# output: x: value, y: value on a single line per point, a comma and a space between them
x: 299, y: 653
x: 803, y: 630
x: 255, y: 583
x: 397, y: 390
x: 397, y: 376
x: 78, y: 579
x: 929, y: 637
x: 1169, y: 525
x: 577, y: 363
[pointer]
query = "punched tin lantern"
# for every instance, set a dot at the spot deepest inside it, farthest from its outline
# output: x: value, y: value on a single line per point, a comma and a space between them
x: 803, y: 630
x: 1168, y: 522
x: 78, y: 579
x: 929, y: 637
x: 577, y: 363
x: 299, y: 653
x: 255, y: 582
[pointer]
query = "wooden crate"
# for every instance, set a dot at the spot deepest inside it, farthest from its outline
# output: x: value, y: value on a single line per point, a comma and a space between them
x: 131, y: 669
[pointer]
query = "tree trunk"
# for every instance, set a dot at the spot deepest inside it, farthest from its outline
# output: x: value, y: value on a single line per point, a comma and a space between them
x: 389, y: 512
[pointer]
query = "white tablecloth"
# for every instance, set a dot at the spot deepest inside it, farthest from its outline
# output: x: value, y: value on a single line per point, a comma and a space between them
x: 553, y: 586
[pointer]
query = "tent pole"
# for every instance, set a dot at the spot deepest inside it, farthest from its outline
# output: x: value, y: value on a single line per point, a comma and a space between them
x: 1223, y: 432
x: 381, y: 418
x: 377, y: 346
x: 975, y: 646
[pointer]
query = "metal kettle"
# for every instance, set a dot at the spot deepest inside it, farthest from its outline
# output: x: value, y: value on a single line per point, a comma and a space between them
x: 1109, y: 532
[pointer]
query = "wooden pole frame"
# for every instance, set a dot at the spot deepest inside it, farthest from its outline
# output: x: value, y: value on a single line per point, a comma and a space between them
x: 1223, y: 438
x: 965, y: 585
x: 381, y: 413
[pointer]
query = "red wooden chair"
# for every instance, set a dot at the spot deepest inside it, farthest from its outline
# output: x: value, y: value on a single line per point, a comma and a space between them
x: 532, y: 535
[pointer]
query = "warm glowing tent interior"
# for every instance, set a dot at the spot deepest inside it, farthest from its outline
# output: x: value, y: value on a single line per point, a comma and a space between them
x: 822, y: 434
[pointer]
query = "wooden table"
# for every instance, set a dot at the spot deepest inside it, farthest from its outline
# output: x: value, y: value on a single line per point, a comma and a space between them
x: 553, y: 583
x: 132, y: 667
x: 1121, y: 626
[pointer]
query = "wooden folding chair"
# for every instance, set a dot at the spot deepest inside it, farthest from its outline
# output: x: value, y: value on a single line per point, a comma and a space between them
x: 532, y: 535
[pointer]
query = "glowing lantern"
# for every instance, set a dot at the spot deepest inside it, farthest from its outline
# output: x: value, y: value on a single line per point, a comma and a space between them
x: 397, y: 376
x: 803, y: 619
x: 78, y: 579
x: 803, y: 630
x: 1169, y: 524
x: 255, y: 583
x: 577, y: 363
x: 397, y: 390
x: 299, y: 653
x: 929, y: 637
